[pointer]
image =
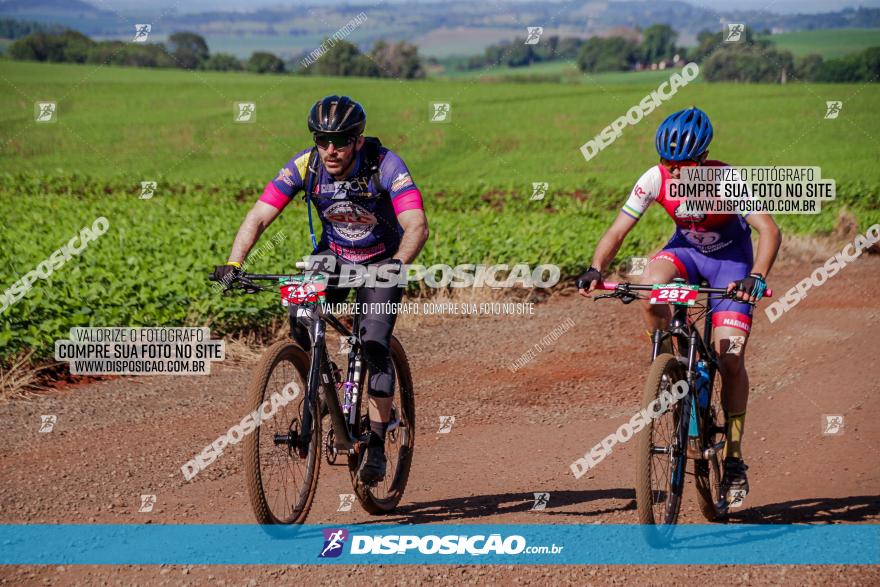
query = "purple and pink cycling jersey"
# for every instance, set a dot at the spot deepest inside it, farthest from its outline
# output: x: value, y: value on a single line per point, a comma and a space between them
x: 359, y: 221
x: 705, y: 246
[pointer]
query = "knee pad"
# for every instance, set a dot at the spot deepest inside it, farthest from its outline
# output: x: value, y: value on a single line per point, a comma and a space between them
x: 381, y: 369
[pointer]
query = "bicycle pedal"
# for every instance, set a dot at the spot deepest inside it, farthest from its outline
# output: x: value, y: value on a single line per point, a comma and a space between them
x: 736, y: 497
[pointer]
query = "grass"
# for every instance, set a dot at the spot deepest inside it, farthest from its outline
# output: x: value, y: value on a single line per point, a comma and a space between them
x: 118, y: 127
x: 828, y: 43
x: 178, y: 125
x: 557, y: 71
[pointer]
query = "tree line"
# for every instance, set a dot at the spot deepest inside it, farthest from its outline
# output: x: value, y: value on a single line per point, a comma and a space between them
x: 758, y: 60
x: 748, y: 60
x: 751, y: 59
x: 188, y: 50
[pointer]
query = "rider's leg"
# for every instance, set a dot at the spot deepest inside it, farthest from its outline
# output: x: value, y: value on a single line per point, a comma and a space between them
x: 732, y: 323
x: 730, y: 345
x: 375, y: 333
x: 665, y: 266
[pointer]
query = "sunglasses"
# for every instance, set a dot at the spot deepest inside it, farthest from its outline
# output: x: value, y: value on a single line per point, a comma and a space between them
x: 680, y: 164
x: 338, y: 141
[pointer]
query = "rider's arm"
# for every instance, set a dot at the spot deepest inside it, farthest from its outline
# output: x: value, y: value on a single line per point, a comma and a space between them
x: 278, y: 193
x: 407, y: 201
x: 769, y: 239
x: 611, y: 241
x: 415, y: 234
x: 256, y: 221
x: 643, y: 193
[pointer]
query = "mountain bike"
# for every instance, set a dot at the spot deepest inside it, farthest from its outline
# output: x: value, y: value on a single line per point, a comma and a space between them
x: 693, y: 427
x: 282, y: 456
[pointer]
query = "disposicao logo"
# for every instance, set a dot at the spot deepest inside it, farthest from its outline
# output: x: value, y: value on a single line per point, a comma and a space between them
x: 334, y: 540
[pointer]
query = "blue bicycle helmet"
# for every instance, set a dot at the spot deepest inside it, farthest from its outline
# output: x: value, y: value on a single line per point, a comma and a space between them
x: 684, y: 135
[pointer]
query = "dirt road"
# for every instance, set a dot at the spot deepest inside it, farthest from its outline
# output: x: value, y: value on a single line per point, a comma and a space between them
x: 514, y: 434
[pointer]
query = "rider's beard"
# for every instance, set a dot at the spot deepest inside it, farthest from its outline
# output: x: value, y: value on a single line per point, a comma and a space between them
x: 339, y: 162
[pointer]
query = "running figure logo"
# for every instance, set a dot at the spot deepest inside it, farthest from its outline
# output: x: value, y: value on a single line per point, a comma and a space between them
x: 148, y: 188
x: 736, y: 497
x: 833, y: 424
x: 141, y: 33
x: 333, y: 542
x: 47, y: 423
x: 534, y: 35
x: 45, y: 111
x: 636, y: 265
x: 440, y: 112
x: 539, y: 190
x: 832, y: 109
x: 541, y: 501
x: 734, y: 32
x: 446, y: 423
x: 346, y: 500
x: 736, y: 345
x: 245, y: 112
x: 147, y: 503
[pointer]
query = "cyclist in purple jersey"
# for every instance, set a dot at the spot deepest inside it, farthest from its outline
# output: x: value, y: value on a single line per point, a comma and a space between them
x: 359, y: 218
x: 713, y: 247
x: 371, y: 213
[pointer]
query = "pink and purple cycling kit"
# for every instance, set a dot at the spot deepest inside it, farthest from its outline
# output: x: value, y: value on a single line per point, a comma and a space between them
x: 359, y: 219
x: 705, y: 246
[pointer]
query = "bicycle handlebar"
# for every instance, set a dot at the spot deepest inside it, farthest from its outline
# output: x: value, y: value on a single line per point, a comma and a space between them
x: 614, y: 286
x: 248, y: 278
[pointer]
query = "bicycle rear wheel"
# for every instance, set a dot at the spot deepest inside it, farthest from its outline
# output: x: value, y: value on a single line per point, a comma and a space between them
x: 384, y: 497
x: 662, y: 447
x: 281, y: 474
x: 707, y: 473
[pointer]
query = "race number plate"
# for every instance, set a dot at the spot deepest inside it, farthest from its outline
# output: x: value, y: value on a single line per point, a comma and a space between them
x: 303, y: 290
x: 674, y: 293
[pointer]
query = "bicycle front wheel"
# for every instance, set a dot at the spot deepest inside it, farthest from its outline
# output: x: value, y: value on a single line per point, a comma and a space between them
x: 282, y: 471
x: 662, y: 445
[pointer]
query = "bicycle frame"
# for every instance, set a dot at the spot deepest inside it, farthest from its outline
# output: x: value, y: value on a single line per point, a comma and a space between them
x: 682, y: 328
x: 698, y: 347
x: 322, y: 376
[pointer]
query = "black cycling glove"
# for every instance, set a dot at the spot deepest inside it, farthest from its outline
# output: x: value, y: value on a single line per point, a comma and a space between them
x: 754, y: 285
x: 226, y: 274
x: 592, y: 274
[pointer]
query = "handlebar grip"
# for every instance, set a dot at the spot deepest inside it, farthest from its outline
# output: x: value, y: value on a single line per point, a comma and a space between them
x: 607, y: 285
x: 211, y: 277
x: 301, y: 265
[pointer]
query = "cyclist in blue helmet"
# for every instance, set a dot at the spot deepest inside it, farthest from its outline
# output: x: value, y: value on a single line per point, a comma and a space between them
x: 705, y: 246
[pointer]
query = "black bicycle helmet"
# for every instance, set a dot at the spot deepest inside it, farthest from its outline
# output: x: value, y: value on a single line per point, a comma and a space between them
x: 337, y: 115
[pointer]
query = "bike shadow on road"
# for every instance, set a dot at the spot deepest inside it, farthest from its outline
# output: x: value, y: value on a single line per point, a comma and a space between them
x: 481, y: 506
x: 859, y: 508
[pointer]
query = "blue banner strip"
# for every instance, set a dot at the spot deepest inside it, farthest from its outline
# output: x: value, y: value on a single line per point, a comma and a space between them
x: 614, y: 544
